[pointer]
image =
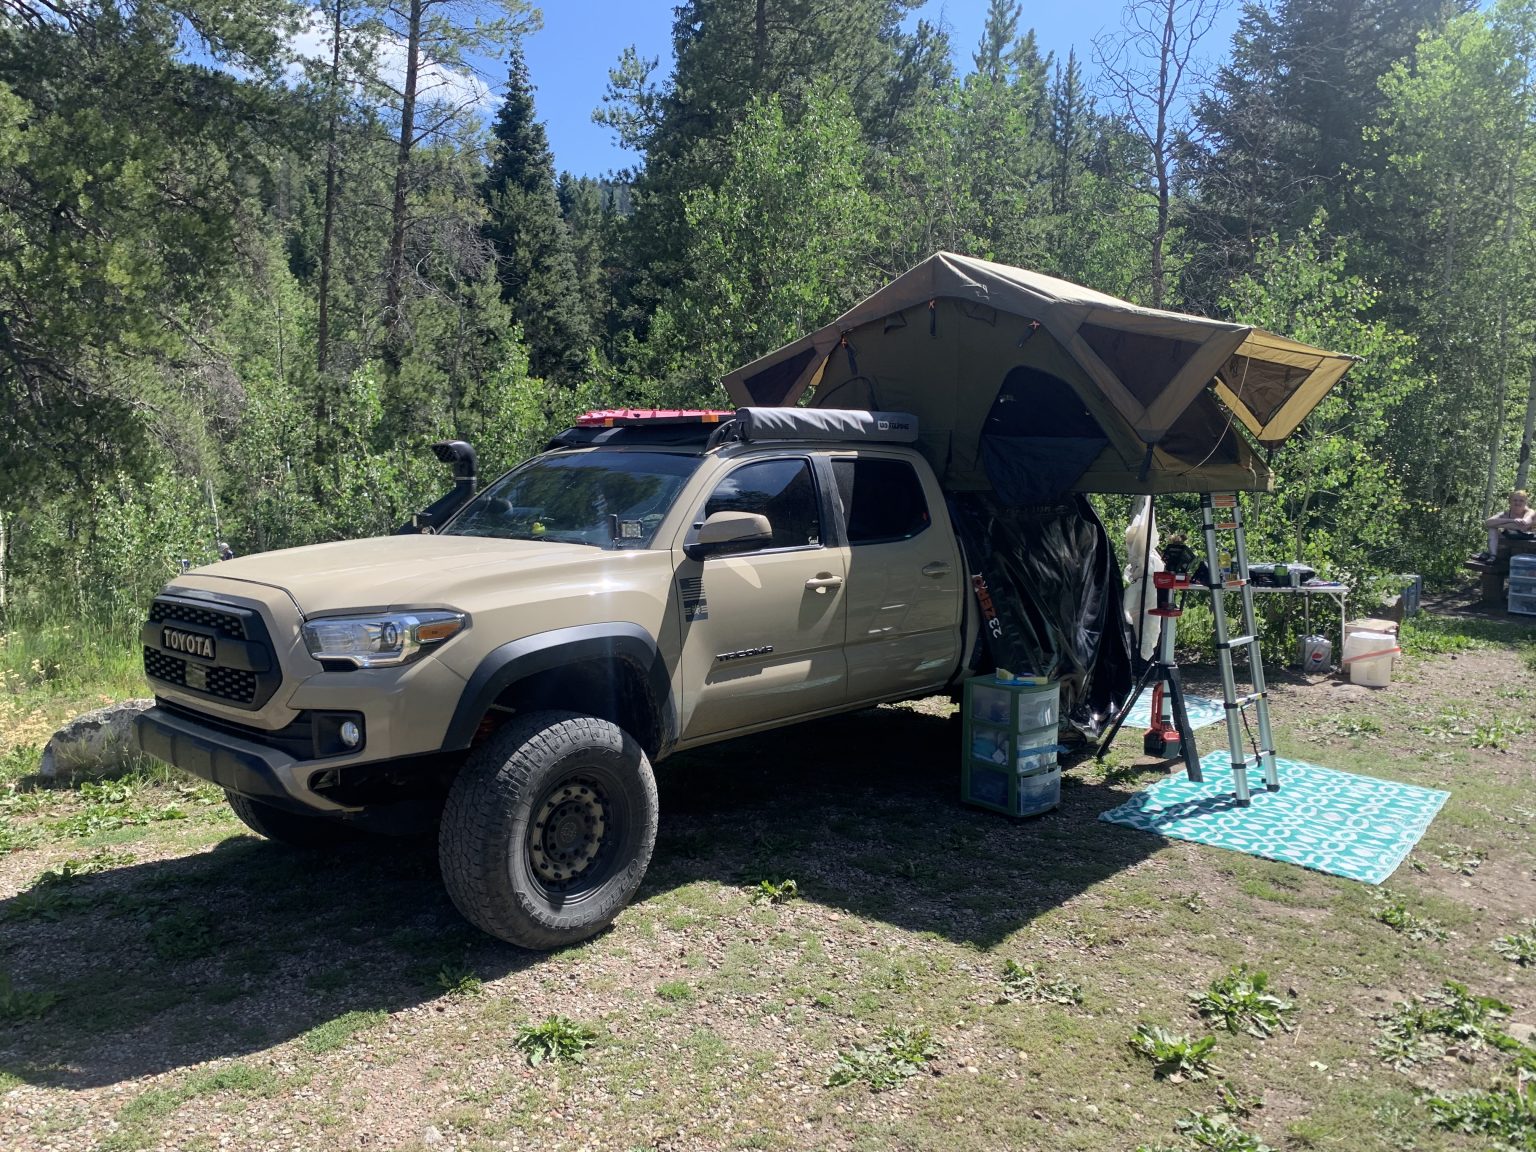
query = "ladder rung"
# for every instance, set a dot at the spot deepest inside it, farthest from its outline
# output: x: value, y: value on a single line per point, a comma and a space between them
x: 1223, y: 500
x: 1239, y: 642
x: 1226, y: 525
x: 1244, y: 701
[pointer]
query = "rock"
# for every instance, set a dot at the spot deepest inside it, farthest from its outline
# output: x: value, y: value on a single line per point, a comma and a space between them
x: 1524, y: 1033
x: 95, y: 744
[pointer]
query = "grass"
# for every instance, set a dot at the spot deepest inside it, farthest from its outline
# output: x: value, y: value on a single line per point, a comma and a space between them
x: 272, y: 998
x: 340, y: 1032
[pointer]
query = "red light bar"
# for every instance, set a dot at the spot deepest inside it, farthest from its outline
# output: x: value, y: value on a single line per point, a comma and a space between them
x: 620, y: 417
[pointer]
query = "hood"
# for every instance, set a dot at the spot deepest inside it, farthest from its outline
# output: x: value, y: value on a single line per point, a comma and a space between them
x: 407, y: 571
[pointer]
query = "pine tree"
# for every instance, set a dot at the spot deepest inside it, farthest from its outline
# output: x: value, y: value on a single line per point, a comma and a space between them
x: 534, y: 259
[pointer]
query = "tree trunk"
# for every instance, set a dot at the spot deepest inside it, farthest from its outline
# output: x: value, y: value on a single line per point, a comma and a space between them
x: 1523, y: 468
x: 1501, y: 389
x: 1160, y: 155
x: 323, y: 334
x: 760, y: 47
x: 394, y: 284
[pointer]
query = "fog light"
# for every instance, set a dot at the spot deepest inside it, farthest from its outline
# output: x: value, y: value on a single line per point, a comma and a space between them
x: 350, y: 733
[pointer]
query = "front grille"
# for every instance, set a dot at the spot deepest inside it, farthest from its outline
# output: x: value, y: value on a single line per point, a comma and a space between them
x: 159, y: 666
x: 240, y: 626
x: 232, y: 684
x: 182, y: 613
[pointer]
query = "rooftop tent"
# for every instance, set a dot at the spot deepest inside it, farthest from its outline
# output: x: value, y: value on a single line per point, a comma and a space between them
x: 1031, y: 386
x: 1030, y: 390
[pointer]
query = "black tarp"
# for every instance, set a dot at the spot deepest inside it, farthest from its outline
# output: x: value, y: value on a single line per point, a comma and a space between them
x: 1055, y: 585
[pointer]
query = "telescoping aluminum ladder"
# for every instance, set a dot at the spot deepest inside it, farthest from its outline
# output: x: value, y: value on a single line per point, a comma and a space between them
x: 1225, y: 579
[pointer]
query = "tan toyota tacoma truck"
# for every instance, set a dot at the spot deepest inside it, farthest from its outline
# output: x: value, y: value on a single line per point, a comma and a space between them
x: 516, y: 661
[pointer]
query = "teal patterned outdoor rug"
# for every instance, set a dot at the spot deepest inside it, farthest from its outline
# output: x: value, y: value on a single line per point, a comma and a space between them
x: 1335, y: 822
x: 1202, y: 712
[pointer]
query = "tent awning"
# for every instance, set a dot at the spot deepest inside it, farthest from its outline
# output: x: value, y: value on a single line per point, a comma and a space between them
x: 941, y: 339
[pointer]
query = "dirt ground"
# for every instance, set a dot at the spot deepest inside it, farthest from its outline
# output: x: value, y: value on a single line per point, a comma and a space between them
x: 170, y: 981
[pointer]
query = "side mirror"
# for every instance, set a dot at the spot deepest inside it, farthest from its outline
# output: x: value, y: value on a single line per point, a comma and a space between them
x: 723, y: 530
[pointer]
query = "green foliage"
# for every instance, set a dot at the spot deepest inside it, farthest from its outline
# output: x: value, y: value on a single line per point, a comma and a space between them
x: 1342, y: 491
x: 1519, y: 947
x: 555, y: 1039
x: 1419, y: 1030
x: 1391, y: 912
x: 22, y: 1004
x: 1174, y: 1057
x: 897, y: 1055
x: 1218, y: 1132
x: 185, y: 934
x: 775, y: 892
x: 534, y: 261
x: 778, y: 244
x: 1022, y: 983
x: 674, y: 991
x: 1506, y: 1115
x: 1242, y: 1002
x: 458, y: 980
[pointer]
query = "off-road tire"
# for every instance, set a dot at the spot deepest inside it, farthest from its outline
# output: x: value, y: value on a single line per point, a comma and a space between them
x: 499, y: 858
x: 292, y: 828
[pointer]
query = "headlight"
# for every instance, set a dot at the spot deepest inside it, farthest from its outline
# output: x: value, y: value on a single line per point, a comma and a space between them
x: 380, y: 640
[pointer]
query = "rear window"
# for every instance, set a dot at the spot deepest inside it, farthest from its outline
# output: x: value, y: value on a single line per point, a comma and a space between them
x: 882, y: 499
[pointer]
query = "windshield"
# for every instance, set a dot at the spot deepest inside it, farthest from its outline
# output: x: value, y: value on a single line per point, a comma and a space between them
x: 605, y: 499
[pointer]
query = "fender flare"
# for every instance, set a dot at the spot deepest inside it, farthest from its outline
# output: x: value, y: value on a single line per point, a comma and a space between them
x: 545, y: 651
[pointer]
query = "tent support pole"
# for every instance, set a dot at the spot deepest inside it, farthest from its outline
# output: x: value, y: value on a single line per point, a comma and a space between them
x: 1146, y: 465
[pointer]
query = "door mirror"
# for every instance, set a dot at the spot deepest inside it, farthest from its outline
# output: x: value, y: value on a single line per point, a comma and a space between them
x: 725, y: 530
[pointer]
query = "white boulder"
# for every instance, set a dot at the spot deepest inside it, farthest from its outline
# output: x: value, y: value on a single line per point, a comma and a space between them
x: 95, y: 744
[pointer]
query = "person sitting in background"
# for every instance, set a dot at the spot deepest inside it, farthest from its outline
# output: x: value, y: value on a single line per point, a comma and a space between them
x: 1519, y: 517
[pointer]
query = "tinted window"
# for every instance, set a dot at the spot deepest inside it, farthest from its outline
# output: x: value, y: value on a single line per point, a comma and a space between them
x: 882, y: 499
x: 781, y: 490
x: 607, y: 499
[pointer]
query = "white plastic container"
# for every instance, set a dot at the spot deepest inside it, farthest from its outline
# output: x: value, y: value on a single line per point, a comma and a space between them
x: 1368, y: 656
x: 1316, y: 654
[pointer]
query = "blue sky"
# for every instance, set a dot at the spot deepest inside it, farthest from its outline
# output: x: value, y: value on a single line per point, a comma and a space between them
x: 569, y: 60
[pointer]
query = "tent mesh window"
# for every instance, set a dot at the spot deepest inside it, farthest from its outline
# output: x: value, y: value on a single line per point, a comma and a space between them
x: 1038, y: 439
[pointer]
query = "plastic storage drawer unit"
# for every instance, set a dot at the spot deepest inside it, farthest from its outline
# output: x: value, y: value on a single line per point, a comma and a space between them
x: 1010, y: 746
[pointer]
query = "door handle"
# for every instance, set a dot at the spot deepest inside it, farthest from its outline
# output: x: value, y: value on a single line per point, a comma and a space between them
x: 935, y: 570
x: 822, y: 581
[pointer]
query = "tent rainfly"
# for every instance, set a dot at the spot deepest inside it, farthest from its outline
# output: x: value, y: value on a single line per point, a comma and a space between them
x: 1033, y: 387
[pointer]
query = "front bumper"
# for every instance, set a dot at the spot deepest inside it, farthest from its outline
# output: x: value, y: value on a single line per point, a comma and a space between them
x: 240, y: 766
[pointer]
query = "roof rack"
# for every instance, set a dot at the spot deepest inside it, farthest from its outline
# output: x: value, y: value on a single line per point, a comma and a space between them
x: 650, y: 417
